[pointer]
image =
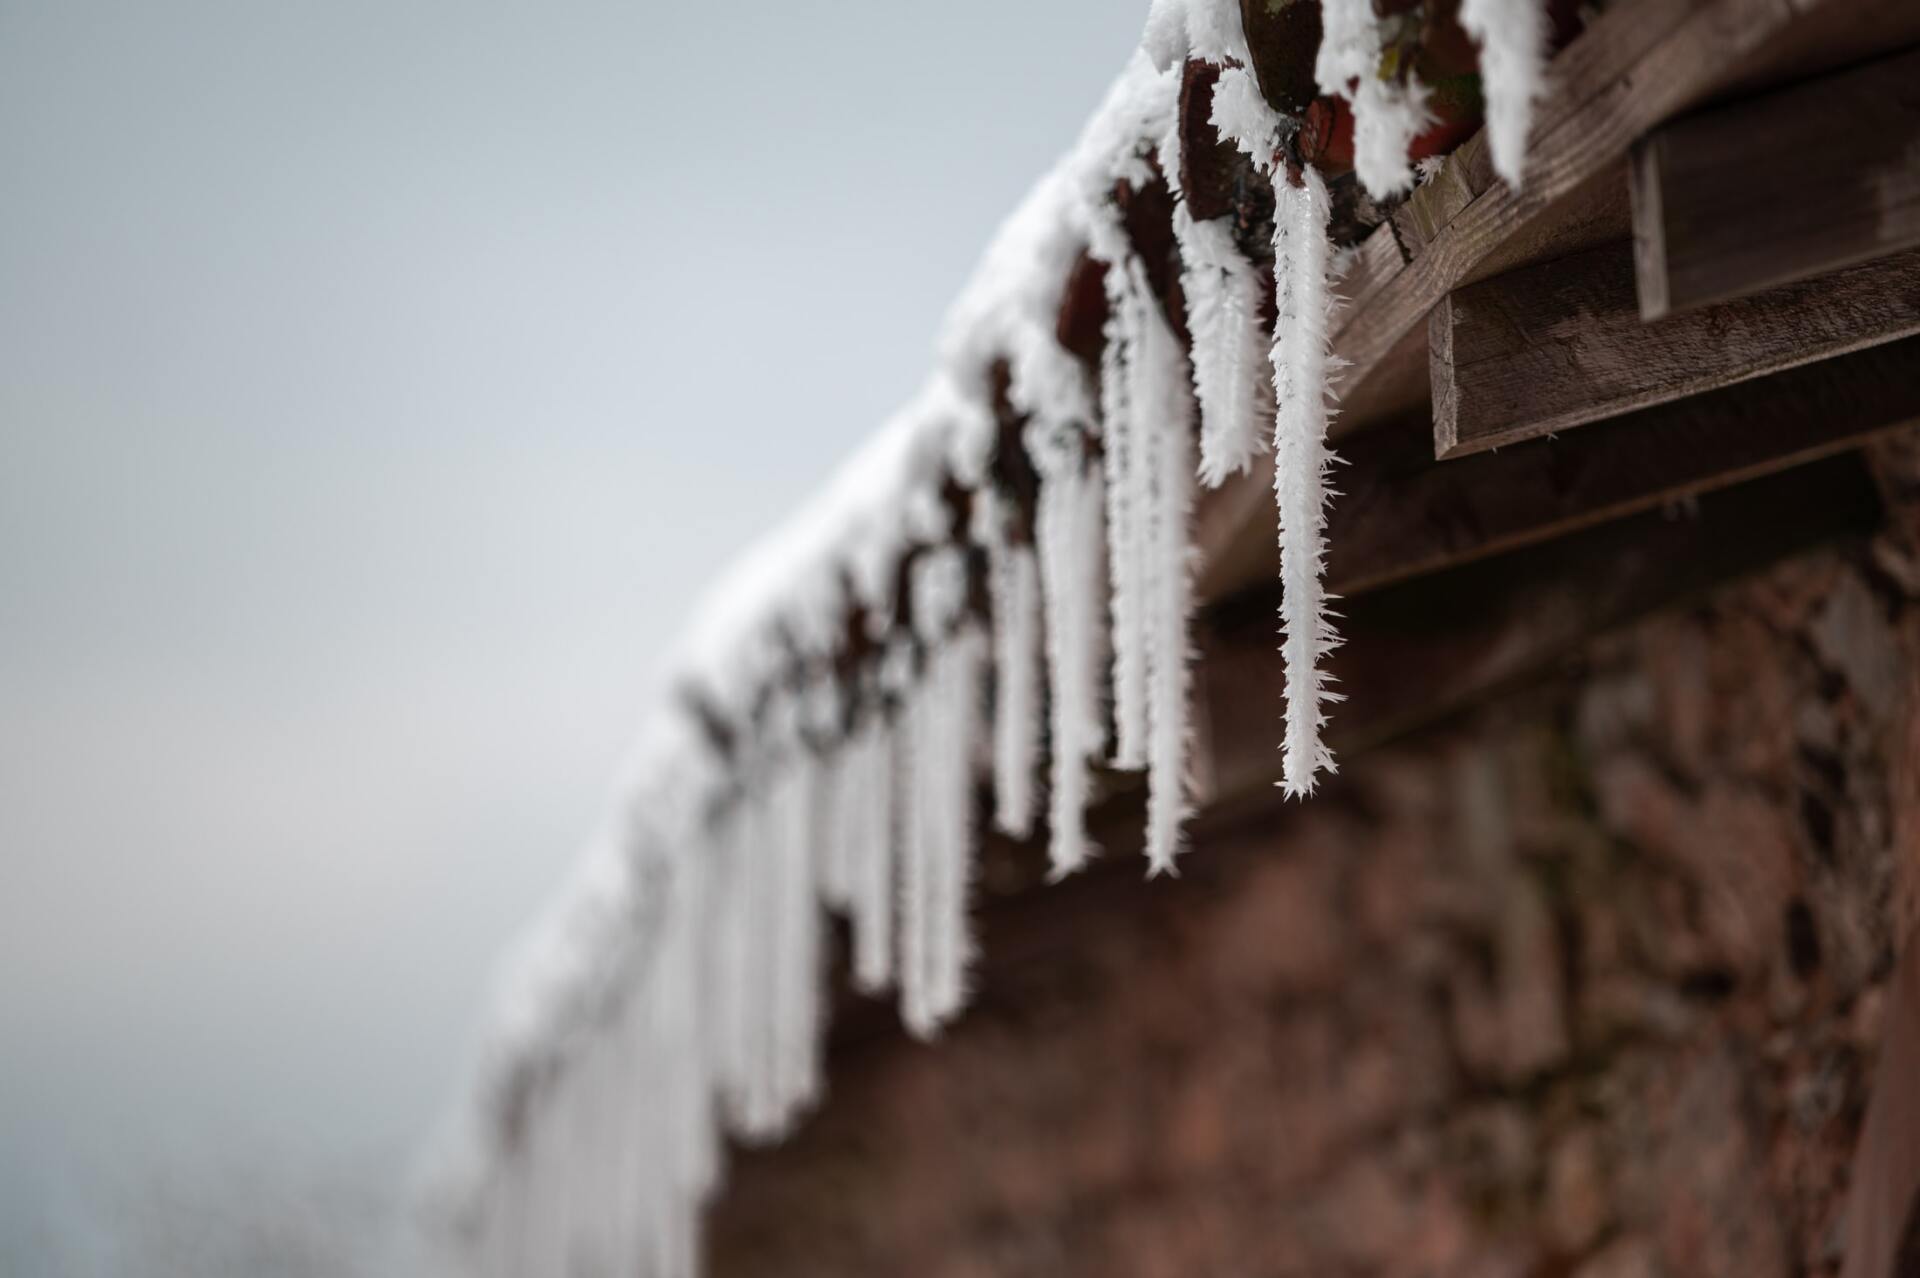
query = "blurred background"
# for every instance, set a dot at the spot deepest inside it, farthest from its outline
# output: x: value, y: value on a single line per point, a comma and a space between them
x: 378, y: 385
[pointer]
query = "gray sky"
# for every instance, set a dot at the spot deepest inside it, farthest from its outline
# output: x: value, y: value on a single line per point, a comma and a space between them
x: 379, y: 381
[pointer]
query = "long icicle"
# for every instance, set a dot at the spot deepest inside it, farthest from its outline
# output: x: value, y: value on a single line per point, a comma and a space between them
x: 1163, y: 397
x: 1017, y: 711
x: 1301, y: 464
x: 1013, y: 580
x: 916, y: 854
x: 956, y: 679
x: 1070, y: 528
x: 1127, y: 517
x: 873, y: 843
x: 938, y: 757
x: 825, y: 713
x: 769, y: 1101
x: 797, y: 1048
x: 736, y: 961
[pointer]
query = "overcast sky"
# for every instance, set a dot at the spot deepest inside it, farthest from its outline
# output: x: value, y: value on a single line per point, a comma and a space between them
x: 379, y: 382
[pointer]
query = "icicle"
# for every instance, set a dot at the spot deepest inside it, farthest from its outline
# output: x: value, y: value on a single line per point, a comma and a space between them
x: 737, y: 966
x: 767, y: 934
x: 1301, y: 462
x: 1223, y: 313
x: 1222, y: 291
x: 938, y: 845
x: 825, y: 714
x: 1129, y: 509
x: 957, y: 675
x: 601, y: 1141
x: 1386, y: 116
x: 838, y: 823
x: 1163, y: 401
x: 1013, y: 578
x: 683, y: 1033
x: 916, y: 853
x: 873, y: 887
x: 1512, y: 35
x: 797, y: 922
x: 1070, y: 528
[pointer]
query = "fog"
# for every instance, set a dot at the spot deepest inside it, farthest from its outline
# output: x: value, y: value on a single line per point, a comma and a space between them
x: 379, y: 382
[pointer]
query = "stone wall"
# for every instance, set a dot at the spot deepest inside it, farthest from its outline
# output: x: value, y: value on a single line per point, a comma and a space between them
x: 1590, y: 982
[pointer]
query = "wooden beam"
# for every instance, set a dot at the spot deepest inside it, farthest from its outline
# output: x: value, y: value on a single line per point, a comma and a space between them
x: 1791, y: 184
x: 1432, y: 646
x: 1401, y: 515
x: 1555, y: 345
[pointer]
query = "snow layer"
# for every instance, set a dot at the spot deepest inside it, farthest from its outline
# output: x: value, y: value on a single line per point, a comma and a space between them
x: 1386, y: 116
x: 1512, y: 35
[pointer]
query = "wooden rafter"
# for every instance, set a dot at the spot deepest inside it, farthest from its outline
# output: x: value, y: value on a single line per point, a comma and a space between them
x: 1402, y: 515
x: 1554, y: 346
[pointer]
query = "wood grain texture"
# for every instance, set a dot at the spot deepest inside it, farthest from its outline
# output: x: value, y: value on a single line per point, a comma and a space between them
x: 1560, y: 344
x: 1638, y: 64
x: 1404, y: 515
x: 1428, y: 647
x: 1740, y: 198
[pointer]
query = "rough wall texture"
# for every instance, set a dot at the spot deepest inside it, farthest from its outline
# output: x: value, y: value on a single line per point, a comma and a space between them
x: 1590, y: 982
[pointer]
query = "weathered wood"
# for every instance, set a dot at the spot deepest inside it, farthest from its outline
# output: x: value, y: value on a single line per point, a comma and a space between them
x: 1210, y: 167
x: 1428, y: 647
x: 1416, y: 653
x: 1639, y: 63
x: 1790, y: 184
x: 1402, y: 515
x: 1556, y: 345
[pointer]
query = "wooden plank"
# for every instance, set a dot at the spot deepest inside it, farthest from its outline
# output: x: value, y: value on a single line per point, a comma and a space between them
x: 1402, y: 515
x: 1429, y: 647
x: 1559, y: 344
x: 1639, y: 63
x: 1791, y: 184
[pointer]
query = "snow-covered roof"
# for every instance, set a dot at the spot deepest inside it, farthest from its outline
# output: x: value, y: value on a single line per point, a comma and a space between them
x: 792, y: 761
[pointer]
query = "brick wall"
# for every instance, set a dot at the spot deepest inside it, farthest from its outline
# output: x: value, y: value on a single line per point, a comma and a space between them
x: 1590, y: 982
